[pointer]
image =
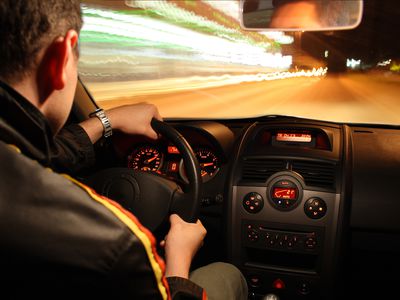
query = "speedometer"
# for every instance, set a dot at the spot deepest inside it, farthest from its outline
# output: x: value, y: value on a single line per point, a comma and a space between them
x: 145, y: 158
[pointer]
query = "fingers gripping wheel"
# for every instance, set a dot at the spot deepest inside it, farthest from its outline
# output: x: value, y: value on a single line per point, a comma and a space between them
x: 187, y: 204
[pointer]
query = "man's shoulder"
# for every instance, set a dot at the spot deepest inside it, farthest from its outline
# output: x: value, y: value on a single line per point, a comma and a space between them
x: 14, y: 162
x: 55, y: 212
x: 18, y: 168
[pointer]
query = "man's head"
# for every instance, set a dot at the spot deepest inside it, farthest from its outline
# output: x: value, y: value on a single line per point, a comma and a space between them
x: 313, y: 13
x: 295, y: 14
x: 38, y: 52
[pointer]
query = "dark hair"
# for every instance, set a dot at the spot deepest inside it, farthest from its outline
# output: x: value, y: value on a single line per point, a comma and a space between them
x: 27, y: 26
x: 339, y: 13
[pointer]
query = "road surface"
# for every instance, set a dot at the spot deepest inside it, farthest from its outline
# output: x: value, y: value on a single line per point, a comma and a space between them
x: 353, y: 98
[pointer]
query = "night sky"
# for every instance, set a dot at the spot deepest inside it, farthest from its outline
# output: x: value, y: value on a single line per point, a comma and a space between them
x: 375, y: 39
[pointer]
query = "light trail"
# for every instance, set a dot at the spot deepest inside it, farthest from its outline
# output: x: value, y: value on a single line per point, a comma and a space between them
x: 136, y: 30
x: 114, y: 90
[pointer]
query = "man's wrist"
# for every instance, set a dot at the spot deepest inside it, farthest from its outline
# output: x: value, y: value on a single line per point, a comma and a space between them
x: 177, y: 272
x: 105, y: 121
x: 178, y: 266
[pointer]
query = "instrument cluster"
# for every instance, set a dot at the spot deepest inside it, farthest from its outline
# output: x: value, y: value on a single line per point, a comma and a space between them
x: 166, y: 160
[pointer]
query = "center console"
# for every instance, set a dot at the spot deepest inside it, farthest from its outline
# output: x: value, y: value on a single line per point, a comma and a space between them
x: 287, y: 207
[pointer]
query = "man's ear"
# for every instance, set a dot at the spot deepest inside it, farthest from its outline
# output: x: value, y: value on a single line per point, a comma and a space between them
x: 53, y: 70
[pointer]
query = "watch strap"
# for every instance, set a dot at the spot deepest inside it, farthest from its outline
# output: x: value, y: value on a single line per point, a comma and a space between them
x: 101, y: 115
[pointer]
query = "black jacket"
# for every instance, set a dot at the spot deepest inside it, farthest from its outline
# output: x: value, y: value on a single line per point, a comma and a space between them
x: 58, y: 238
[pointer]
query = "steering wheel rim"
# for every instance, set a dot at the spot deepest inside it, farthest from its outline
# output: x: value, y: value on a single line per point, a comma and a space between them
x: 187, y: 213
x: 141, y: 192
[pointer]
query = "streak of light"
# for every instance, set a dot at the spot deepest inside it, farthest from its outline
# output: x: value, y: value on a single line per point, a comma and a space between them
x: 161, y: 33
x: 227, y: 7
x: 384, y: 63
x: 110, y: 90
x: 353, y: 63
x: 279, y: 37
x: 171, y: 11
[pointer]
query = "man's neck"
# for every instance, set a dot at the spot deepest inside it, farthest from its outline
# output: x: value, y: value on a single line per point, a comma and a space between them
x: 28, y: 88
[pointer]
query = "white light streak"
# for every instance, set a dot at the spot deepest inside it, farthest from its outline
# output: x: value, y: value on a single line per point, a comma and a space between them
x: 353, y: 63
x: 168, y: 85
x: 229, y: 8
x: 279, y: 37
x: 205, y: 47
x: 384, y: 63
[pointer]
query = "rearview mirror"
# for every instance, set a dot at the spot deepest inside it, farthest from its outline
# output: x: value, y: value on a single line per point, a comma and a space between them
x: 300, y: 15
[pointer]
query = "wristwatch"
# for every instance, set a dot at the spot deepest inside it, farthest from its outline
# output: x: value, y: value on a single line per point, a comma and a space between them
x: 101, y: 115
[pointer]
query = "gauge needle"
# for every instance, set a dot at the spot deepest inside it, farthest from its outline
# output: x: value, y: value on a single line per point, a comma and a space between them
x: 206, y: 164
x: 150, y: 159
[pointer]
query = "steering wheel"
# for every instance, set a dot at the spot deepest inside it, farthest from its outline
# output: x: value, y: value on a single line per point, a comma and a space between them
x: 152, y: 197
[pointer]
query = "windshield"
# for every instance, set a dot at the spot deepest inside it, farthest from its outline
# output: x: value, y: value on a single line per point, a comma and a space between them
x: 192, y: 60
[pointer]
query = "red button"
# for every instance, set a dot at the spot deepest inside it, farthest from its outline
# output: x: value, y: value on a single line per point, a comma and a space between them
x: 278, y: 284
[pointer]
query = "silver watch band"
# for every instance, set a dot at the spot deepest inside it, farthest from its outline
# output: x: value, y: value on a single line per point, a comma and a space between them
x: 101, y: 115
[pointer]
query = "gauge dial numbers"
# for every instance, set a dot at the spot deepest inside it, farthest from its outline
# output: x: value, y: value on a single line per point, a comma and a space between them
x: 145, y: 158
x: 209, y: 164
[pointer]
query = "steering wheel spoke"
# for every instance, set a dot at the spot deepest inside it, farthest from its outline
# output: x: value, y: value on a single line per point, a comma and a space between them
x: 182, y: 205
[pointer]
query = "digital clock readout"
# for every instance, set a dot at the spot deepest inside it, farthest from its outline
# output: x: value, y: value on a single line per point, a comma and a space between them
x: 293, y: 137
x: 284, y: 193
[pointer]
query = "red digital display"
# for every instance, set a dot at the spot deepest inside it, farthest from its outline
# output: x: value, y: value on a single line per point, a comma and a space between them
x: 173, y: 150
x: 173, y: 167
x: 297, y: 137
x: 285, y: 193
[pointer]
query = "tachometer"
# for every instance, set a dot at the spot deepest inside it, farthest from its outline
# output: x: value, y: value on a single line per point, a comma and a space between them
x: 209, y: 164
x: 145, y: 158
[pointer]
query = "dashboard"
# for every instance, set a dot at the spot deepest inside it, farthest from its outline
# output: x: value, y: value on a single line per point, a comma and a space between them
x: 295, y: 204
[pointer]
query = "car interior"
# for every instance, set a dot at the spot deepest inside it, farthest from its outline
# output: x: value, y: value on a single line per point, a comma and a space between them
x: 306, y: 207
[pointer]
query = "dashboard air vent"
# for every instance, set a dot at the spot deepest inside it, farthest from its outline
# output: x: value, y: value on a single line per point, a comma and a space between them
x: 260, y: 169
x: 318, y: 174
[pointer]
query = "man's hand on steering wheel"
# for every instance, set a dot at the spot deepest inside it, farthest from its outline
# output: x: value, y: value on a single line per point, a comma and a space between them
x: 129, y: 119
x: 135, y: 119
x: 181, y: 244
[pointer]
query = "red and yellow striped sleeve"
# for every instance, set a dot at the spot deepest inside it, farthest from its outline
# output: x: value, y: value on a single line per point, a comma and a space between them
x: 142, y: 233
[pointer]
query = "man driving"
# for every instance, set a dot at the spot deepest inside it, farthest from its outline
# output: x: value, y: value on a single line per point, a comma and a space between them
x: 58, y: 237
